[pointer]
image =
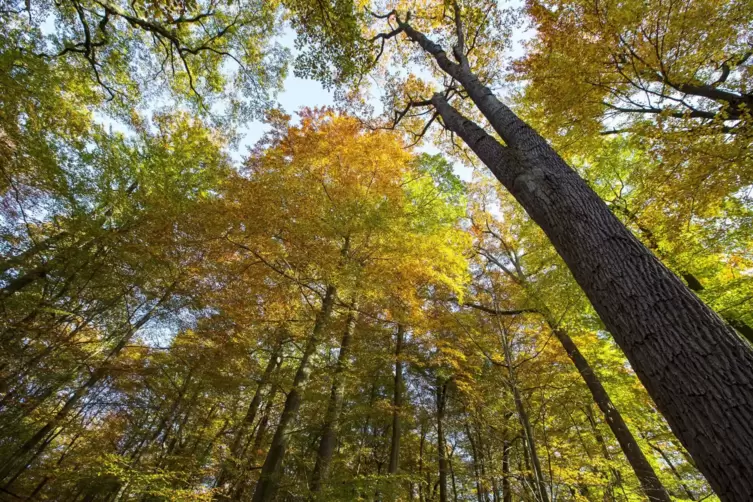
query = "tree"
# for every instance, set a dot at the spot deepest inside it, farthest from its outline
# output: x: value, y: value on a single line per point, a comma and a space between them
x: 648, y: 310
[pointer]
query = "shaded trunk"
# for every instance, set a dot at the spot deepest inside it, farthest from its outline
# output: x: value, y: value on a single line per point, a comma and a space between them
x: 229, y: 470
x: 242, y: 483
x: 474, y: 455
x: 328, y: 440
x: 397, y: 401
x: 269, y: 479
x: 694, y: 366
x: 652, y: 487
x: 742, y: 327
x: 73, y: 400
x: 506, y: 490
x: 539, y: 485
x: 441, y: 447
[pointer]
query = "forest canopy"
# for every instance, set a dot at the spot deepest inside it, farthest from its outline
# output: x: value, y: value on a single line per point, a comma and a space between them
x: 510, y: 260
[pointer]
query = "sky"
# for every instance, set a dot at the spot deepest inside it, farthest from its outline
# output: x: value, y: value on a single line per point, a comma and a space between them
x: 298, y: 92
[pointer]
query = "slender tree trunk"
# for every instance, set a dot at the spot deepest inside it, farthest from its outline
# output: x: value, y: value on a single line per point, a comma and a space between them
x: 650, y: 483
x: 674, y: 470
x: 269, y: 479
x: 441, y: 446
x: 73, y: 400
x: 242, y: 483
x: 397, y: 402
x: 474, y: 455
x: 604, y: 450
x: 328, y: 440
x: 694, y: 366
x: 229, y: 469
x: 539, y: 485
x: 454, y: 482
x: 506, y: 487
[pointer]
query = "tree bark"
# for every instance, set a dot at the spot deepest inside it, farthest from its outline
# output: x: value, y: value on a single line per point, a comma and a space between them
x: 332, y: 421
x: 506, y: 487
x: 397, y: 402
x: 695, y: 285
x: 650, y: 483
x: 441, y: 447
x: 694, y: 366
x: 269, y: 479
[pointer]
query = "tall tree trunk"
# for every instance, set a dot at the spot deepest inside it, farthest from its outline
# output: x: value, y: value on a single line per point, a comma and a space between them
x: 441, y: 446
x: 474, y: 456
x: 506, y: 490
x: 695, y: 285
x: 539, y: 485
x: 650, y: 483
x: 397, y: 402
x: 243, y: 482
x: 332, y: 421
x: 70, y: 404
x: 694, y: 366
x: 269, y: 479
x: 229, y: 469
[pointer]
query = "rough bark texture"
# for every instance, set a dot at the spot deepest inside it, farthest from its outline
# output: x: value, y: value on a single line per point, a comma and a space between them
x: 694, y: 366
x: 332, y: 421
x: 269, y: 479
x: 397, y: 402
x: 695, y: 285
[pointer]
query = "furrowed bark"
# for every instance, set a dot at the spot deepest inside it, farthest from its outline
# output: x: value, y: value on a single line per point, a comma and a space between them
x: 695, y: 285
x: 269, y: 479
x: 696, y: 369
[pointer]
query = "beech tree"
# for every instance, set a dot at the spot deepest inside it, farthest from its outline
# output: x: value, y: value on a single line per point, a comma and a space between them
x: 659, y: 323
x: 338, y: 315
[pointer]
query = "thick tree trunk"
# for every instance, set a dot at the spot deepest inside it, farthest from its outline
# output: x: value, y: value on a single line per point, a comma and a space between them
x: 441, y: 446
x: 328, y: 440
x: 694, y: 366
x: 695, y: 285
x: 269, y: 479
x: 397, y: 402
